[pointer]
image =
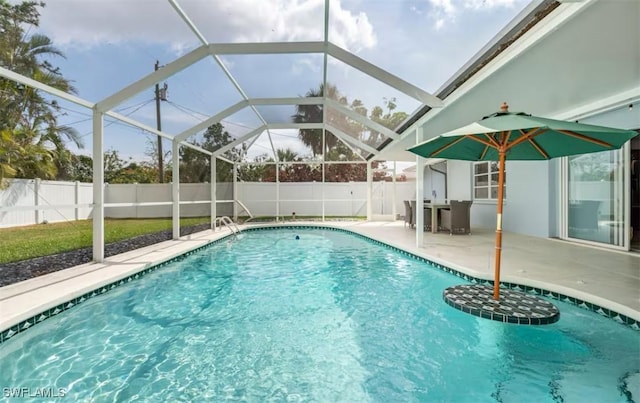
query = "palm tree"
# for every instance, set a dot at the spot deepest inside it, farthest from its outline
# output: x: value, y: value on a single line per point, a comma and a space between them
x: 286, y: 154
x: 310, y: 114
x: 314, y: 114
x: 390, y: 120
x: 32, y: 141
x: 7, y: 151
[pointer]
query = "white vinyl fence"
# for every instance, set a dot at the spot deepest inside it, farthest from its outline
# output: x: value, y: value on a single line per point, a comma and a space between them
x: 31, y: 201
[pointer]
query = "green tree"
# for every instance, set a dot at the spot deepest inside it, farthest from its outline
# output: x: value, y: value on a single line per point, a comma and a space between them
x: 295, y: 172
x: 80, y: 169
x: 195, y: 166
x: 23, y: 158
x: 287, y: 155
x: 314, y: 114
x: 117, y: 170
x: 8, y: 151
x: 388, y: 119
x: 151, y: 150
x: 336, y: 150
x: 32, y: 142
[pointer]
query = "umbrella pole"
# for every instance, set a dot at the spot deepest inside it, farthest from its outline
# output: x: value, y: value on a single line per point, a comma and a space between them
x: 496, y: 284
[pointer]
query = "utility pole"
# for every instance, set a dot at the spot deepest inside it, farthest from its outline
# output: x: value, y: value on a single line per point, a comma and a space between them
x: 161, y: 95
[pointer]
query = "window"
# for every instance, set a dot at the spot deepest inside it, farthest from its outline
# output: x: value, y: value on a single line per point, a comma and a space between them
x: 485, y: 181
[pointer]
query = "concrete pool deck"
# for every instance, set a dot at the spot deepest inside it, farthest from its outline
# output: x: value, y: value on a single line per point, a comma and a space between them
x: 602, y: 276
x: 610, y: 279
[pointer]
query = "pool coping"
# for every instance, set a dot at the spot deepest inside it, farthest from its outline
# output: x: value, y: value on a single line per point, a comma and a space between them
x: 127, y: 267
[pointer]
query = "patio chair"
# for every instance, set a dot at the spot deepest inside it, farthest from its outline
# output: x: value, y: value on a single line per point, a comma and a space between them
x: 457, y: 220
x: 427, y: 219
x: 413, y: 213
x: 408, y: 214
x: 426, y: 216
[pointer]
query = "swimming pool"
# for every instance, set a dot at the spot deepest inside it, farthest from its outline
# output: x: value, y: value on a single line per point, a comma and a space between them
x: 326, y: 317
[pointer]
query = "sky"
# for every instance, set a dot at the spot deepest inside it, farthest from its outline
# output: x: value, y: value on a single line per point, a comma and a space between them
x: 109, y: 44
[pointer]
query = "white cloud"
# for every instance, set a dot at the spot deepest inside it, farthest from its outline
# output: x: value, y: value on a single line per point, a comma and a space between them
x: 89, y: 23
x: 488, y: 4
x: 345, y: 27
x: 228, y: 63
x: 305, y: 65
x: 445, y: 6
x: 446, y: 11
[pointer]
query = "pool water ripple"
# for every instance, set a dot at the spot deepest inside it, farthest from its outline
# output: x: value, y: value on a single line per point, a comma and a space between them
x: 327, y: 317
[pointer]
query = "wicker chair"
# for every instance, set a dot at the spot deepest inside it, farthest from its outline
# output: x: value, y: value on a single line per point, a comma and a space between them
x: 426, y: 216
x: 427, y: 219
x: 408, y: 215
x: 457, y: 220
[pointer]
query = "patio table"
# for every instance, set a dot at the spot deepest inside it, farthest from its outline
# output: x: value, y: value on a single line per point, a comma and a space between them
x: 435, y: 206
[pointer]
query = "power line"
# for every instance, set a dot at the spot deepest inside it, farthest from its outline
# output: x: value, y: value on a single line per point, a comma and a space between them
x: 206, y: 116
x: 79, y: 121
x: 133, y: 106
x: 240, y: 124
x: 76, y: 111
x: 194, y: 111
x: 188, y: 110
x: 111, y: 121
x: 197, y: 94
x: 117, y: 121
x: 184, y: 110
x: 116, y: 110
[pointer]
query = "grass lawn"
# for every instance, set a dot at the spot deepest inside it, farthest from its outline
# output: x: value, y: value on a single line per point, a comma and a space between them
x: 21, y: 243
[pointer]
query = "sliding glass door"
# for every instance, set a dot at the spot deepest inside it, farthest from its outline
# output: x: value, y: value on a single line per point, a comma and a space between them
x: 595, y: 198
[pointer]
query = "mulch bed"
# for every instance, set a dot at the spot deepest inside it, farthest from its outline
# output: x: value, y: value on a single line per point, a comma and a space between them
x: 25, y: 269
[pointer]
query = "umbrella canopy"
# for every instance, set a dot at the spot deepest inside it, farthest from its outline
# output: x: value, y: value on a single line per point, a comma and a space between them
x: 518, y: 136
x: 524, y: 137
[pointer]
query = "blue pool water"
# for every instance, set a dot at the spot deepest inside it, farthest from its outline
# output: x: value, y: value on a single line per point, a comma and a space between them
x: 327, y: 317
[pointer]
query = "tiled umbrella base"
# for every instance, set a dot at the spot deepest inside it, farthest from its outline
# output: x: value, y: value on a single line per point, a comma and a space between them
x: 513, y: 306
